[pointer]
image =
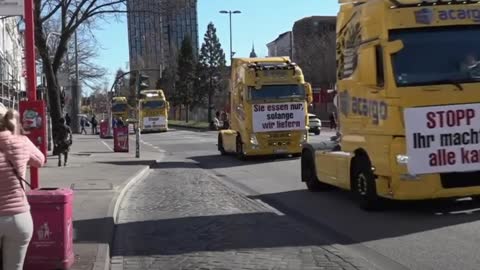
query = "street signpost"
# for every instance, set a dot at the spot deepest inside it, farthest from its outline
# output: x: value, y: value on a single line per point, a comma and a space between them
x: 12, y: 7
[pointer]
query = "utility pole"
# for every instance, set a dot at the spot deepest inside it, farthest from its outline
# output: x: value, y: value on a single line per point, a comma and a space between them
x: 229, y: 12
x: 76, y: 89
x: 31, y: 70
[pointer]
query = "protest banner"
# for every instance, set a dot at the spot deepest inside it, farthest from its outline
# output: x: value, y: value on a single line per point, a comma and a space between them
x: 278, y: 116
x: 443, y: 138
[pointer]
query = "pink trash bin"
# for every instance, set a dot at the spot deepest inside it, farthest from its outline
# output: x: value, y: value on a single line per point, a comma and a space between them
x: 51, y: 246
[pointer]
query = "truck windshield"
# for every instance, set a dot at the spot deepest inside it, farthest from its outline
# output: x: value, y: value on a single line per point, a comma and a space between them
x: 119, y: 107
x: 153, y: 104
x: 277, y: 92
x: 430, y: 56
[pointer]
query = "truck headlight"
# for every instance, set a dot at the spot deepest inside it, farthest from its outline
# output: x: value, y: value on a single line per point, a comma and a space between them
x: 253, y: 139
x: 402, y: 159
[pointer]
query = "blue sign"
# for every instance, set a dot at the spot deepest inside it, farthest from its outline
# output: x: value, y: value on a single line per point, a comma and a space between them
x: 424, y: 16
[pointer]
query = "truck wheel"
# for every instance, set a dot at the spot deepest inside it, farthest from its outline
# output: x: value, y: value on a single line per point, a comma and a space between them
x: 317, y: 132
x: 309, y: 175
x: 239, y: 147
x: 220, y: 145
x: 363, y: 184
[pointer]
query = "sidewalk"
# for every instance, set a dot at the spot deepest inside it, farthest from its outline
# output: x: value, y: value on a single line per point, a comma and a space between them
x: 99, y: 178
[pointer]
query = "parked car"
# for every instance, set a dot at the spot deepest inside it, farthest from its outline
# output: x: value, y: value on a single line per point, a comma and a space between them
x: 314, y: 124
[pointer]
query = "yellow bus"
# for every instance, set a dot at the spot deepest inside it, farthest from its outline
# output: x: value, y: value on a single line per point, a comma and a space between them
x: 120, y: 108
x: 153, y: 111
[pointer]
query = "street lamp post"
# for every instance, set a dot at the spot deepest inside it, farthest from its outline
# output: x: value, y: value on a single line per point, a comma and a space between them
x: 230, y: 12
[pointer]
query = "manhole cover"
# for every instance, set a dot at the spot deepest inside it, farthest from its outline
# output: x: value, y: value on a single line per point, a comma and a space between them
x: 92, y: 186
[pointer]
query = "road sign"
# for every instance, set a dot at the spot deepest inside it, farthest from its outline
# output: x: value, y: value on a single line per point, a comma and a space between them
x: 11, y: 7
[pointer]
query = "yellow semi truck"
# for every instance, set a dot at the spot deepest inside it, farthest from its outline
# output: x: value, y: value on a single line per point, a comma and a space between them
x: 268, y: 100
x: 120, y: 108
x: 153, y: 110
x: 408, y: 78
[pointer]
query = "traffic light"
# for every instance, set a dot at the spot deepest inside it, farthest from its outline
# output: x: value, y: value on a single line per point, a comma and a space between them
x: 142, y: 83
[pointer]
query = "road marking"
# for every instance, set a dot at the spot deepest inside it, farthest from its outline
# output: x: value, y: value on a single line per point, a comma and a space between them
x: 108, y: 146
x: 275, y: 210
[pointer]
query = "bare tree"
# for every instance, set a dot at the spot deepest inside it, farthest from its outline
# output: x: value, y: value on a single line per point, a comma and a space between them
x: 73, y: 15
x: 90, y: 74
x: 99, y: 99
x: 122, y: 86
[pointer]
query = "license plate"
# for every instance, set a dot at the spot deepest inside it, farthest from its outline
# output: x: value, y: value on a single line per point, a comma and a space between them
x: 280, y: 151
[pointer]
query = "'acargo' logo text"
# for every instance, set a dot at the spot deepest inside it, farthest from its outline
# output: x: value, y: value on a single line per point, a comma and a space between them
x: 460, y: 14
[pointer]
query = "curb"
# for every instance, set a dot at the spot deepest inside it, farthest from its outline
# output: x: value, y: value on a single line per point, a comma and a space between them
x: 118, y: 199
x: 102, y: 261
x: 187, y: 127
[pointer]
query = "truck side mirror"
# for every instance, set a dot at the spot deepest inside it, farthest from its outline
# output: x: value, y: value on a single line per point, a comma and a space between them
x: 367, y: 66
x: 309, y: 93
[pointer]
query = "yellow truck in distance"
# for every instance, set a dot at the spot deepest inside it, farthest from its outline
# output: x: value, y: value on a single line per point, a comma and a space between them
x: 120, y: 108
x: 408, y: 80
x: 153, y: 110
x: 269, y: 100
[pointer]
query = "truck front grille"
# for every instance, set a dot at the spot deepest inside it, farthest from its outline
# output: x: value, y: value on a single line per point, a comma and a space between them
x: 277, y: 143
x: 459, y: 180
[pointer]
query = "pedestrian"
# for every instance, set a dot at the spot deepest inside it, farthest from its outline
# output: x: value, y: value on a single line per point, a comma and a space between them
x: 62, y: 140
x: 333, y: 120
x: 68, y: 120
x: 16, y: 225
x: 120, y: 122
x: 226, y: 124
x: 94, y: 125
x: 215, y: 124
x: 83, y: 123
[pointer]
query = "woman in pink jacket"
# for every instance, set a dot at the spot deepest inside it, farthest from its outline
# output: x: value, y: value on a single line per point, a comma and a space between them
x: 16, y: 226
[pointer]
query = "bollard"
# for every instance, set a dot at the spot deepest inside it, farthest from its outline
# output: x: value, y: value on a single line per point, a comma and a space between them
x: 137, y: 143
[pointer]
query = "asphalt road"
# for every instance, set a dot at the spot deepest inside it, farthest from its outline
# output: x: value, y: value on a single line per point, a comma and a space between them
x: 431, y: 235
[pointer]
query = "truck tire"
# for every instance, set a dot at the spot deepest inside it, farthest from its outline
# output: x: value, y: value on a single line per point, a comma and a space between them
x: 363, y: 184
x: 309, y: 175
x: 220, y: 145
x: 317, y: 132
x: 239, y: 148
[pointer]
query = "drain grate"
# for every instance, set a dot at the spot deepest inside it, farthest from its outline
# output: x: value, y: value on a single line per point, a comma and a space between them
x: 92, y: 186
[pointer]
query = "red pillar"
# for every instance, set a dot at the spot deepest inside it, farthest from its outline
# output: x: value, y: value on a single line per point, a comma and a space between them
x: 31, y: 69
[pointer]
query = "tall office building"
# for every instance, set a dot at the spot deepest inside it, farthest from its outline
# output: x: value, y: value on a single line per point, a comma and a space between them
x: 156, y: 29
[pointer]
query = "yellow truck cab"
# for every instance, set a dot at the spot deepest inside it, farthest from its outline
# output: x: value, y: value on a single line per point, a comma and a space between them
x: 120, y: 108
x: 268, y: 100
x: 408, y: 81
x: 153, y: 110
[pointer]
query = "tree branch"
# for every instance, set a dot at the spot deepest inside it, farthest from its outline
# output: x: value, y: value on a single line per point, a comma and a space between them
x: 52, y: 12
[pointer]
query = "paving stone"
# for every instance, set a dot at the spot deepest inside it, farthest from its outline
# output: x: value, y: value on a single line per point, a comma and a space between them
x: 182, y: 218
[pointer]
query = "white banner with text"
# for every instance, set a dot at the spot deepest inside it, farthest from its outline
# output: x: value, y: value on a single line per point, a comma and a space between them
x: 443, y: 138
x: 278, y: 116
